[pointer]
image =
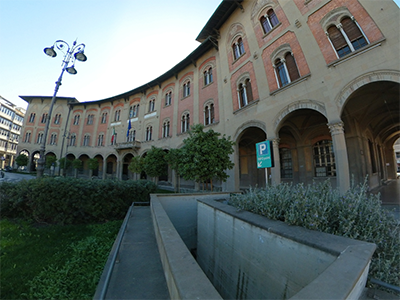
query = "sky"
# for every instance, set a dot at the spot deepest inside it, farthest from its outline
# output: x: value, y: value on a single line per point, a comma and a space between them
x: 127, y: 42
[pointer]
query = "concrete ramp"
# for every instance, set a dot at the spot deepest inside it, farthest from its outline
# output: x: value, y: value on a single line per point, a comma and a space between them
x: 137, y: 272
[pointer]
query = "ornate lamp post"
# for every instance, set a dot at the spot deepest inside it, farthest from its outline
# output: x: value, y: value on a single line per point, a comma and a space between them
x: 71, y: 54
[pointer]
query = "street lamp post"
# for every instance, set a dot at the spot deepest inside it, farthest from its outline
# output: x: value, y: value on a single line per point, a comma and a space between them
x: 76, y: 52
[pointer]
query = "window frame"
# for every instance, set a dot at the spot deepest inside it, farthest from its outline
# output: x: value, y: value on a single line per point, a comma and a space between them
x: 186, y: 89
x: 185, y: 122
x: 238, y: 48
x: 166, y: 128
x: 341, y: 37
x: 324, y: 159
x: 168, y: 98
x: 270, y: 19
x: 209, y: 113
x: 244, y: 92
x: 283, y: 75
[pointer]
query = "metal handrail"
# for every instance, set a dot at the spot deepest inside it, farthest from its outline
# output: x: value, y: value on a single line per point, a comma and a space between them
x: 114, y: 257
x: 385, y: 285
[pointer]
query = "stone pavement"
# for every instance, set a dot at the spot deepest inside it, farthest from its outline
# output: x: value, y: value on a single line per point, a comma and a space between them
x: 138, y: 273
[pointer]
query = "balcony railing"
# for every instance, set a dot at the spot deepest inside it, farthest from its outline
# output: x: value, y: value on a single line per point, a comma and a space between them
x: 127, y: 145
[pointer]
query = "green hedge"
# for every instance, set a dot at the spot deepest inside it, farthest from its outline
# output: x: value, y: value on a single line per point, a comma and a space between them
x: 357, y: 214
x: 72, y: 201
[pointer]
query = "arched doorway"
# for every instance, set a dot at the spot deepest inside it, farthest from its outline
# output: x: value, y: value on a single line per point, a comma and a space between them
x: 84, y: 170
x: 126, y: 174
x: 34, y: 161
x: 98, y: 172
x: 249, y: 174
x: 111, y: 166
x: 306, y: 148
x: 371, y: 117
x: 70, y: 170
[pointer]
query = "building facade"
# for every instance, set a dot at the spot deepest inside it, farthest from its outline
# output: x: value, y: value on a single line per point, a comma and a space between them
x: 319, y: 78
x: 11, y: 121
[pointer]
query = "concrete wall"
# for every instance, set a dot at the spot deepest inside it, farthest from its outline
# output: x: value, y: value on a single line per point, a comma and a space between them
x: 182, y: 212
x: 185, y: 279
x: 250, y: 257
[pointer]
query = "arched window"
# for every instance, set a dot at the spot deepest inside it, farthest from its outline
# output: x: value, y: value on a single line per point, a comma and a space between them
x: 269, y: 21
x: 86, y: 140
x: 286, y: 162
x: 53, y: 139
x: 165, y: 132
x: 90, y: 119
x: 32, y: 117
x: 57, y: 119
x: 152, y: 105
x: 44, y: 118
x: 324, y: 159
x: 208, y: 76
x: 117, y: 115
x: 286, y: 70
x: 27, y: 137
x: 168, y: 98
x: 185, y: 122
x: 245, y: 93
x: 131, y: 135
x: 186, y: 89
x: 149, y: 133
x: 39, y: 138
x: 104, y: 118
x: 346, y: 37
x: 76, y: 120
x: 72, y: 140
x: 209, y: 116
x: 238, y: 49
x: 134, y: 111
x: 100, y: 140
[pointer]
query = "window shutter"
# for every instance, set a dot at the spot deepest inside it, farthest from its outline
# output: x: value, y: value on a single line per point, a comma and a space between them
x: 249, y: 91
x: 278, y: 67
x: 336, y: 37
x: 351, y: 29
x: 292, y: 67
x: 265, y: 25
x: 273, y: 18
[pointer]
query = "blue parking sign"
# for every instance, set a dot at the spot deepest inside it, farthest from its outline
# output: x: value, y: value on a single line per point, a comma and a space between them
x: 264, y: 155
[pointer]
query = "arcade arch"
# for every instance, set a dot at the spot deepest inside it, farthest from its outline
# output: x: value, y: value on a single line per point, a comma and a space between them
x: 249, y: 174
x: 371, y: 116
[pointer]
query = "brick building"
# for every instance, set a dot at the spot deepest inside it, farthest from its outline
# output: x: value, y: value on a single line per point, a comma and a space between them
x: 320, y: 78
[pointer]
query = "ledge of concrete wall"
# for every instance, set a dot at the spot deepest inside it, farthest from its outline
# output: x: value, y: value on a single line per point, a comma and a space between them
x: 185, y: 279
x: 341, y: 264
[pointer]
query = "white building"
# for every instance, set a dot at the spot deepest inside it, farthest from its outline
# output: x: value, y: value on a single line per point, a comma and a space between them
x: 11, y: 121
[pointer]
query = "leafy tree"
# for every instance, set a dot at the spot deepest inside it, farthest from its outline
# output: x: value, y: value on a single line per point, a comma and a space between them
x: 173, y: 158
x: 65, y: 164
x: 205, y: 155
x: 136, y: 165
x: 93, y: 164
x: 76, y: 164
x: 22, y: 160
x: 50, y: 160
x: 154, y: 162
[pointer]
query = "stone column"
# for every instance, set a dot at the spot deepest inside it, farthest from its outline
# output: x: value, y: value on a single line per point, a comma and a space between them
x: 340, y: 151
x: 104, y: 168
x: 276, y: 170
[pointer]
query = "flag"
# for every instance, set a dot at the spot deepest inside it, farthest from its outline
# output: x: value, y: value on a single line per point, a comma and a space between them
x: 113, y: 137
x: 129, y: 128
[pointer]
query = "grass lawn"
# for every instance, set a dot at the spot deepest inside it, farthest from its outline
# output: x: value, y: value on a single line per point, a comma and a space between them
x: 53, y: 261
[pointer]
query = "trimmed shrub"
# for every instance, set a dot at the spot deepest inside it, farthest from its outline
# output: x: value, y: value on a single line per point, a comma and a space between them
x: 357, y: 214
x: 72, y: 201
